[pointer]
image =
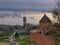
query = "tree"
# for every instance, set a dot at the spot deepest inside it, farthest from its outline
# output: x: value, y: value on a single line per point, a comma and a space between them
x: 57, y: 25
x: 56, y: 10
x: 31, y: 27
x: 16, y: 34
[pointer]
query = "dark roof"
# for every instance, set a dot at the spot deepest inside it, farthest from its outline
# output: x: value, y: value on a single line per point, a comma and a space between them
x: 45, y: 19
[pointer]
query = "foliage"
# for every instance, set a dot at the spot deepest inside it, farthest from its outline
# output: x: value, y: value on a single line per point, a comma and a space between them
x: 5, y: 30
x: 31, y: 27
x: 18, y: 27
x: 16, y: 34
x: 57, y: 25
x: 35, y: 27
x: 50, y: 33
x: 56, y: 10
x: 54, y: 35
x: 24, y: 33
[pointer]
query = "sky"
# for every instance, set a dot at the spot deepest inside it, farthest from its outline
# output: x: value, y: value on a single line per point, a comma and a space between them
x: 12, y: 18
x: 11, y: 10
x: 27, y: 5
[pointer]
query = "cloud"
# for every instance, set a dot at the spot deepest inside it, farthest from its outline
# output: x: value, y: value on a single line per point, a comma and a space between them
x: 10, y: 7
x: 26, y: 5
x: 11, y: 21
x: 31, y: 18
x: 4, y: 14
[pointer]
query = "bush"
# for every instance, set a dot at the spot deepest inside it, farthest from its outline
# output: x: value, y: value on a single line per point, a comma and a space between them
x: 57, y: 25
x: 16, y: 34
x: 24, y: 33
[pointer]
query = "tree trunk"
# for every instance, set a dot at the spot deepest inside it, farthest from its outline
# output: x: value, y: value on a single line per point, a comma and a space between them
x: 58, y: 19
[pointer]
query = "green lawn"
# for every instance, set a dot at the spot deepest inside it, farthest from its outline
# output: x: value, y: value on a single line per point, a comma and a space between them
x: 20, y: 41
x: 3, y: 38
x: 24, y: 42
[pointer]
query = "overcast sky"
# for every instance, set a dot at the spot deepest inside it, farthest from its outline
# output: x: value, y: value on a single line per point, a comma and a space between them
x: 27, y: 5
x: 10, y: 10
x: 33, y: 18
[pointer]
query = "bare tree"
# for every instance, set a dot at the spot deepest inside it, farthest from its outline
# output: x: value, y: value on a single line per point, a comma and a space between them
x: 56, y: 10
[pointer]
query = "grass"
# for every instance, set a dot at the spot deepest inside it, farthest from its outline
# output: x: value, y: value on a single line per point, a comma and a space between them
x: 20, y: 41
x: 3, y: 38
x: 24, y: 42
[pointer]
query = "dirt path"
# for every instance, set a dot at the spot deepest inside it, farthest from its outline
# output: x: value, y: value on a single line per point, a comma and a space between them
x: 4, y: 43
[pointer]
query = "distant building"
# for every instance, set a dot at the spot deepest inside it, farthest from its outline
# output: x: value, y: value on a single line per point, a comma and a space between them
x: 24, y: 22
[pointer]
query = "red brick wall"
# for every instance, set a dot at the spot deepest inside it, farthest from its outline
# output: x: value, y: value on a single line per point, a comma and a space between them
x: 42, y: 39
x: 45, y: 25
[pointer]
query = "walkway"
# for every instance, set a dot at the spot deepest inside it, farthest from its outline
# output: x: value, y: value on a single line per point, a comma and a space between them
x: 4, y: 43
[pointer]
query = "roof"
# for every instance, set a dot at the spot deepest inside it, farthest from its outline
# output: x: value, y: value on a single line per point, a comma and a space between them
x: 45, y: 19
